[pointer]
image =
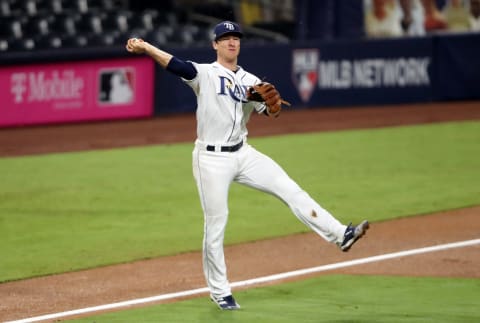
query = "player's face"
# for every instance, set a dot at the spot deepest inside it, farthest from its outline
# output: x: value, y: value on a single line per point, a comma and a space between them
x: 228, y: 47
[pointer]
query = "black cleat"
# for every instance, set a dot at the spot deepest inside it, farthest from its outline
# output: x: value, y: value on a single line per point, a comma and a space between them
x: 226, y: 303
x: 352, y: 234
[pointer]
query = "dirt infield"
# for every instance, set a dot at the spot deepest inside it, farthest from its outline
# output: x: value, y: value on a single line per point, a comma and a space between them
x: 33, y: 297
x: 181, y: 128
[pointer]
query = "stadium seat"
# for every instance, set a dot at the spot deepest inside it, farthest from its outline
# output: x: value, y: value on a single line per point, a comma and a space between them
x: 147, y: 19
x: 65, y: 23
x: 74, y: 41
x: 189, y: 34
x: 55, y: 24
x: 99, y: 40
x: 3, y: 45
x: 119, y: 21
x: 158, y: 37
x: 21, y: 44
x: 112, y: 5
x: 48, y: 42
x: 49, y: 7
x: 37, y: 26
x: 79, y: 6
x: 11, y: 27
x: 29, y: 7
x: 55, y: 5
x: 90, y: 23
x: 5, y: 8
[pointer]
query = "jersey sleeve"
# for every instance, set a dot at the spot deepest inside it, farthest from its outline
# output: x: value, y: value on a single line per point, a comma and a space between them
x: 195, y: 82
x: 184, y: 69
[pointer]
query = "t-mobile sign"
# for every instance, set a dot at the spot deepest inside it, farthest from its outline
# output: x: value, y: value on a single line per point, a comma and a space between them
x: 76, y: 91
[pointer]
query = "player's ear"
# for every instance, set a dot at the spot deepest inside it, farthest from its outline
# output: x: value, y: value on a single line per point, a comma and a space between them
x: 214, y: 44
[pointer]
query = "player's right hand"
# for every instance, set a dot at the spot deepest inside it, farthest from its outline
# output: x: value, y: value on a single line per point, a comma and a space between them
x: 136, y: 45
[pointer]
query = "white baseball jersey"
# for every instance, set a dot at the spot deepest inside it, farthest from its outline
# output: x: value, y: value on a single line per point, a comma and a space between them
x: 222, y: 111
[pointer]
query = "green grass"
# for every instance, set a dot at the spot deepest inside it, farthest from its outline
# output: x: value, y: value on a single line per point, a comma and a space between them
x: 335, y: 298
x: 71, y: 211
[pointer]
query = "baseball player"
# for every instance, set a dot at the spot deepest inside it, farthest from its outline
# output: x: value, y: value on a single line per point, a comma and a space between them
x: 226, y: 96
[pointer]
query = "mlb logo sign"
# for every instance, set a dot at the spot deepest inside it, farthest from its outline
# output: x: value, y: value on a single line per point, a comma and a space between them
x: 305, y: 71
x: 116, y: 86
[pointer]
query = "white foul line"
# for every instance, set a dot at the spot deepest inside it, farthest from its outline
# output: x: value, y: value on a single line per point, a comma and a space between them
x: 253, y: 281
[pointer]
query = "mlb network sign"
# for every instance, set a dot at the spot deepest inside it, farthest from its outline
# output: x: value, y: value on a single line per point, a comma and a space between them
x: 310, y: 72
x: 76, y: 91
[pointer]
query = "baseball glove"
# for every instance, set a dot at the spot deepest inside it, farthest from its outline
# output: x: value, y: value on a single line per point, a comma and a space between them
x: 267, y: 93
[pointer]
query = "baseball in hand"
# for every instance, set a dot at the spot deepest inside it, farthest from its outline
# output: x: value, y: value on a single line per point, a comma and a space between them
x: 135, y: 45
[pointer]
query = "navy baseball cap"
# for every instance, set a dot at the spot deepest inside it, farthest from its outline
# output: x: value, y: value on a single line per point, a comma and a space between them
x: 227, y: 28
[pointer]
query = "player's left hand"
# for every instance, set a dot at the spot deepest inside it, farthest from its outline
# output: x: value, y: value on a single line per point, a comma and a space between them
x: 136, y: 45
x: 266, y: 92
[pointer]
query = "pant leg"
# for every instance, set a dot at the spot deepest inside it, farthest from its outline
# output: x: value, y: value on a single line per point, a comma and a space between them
x: 213, y: 174
x: 261, y: 172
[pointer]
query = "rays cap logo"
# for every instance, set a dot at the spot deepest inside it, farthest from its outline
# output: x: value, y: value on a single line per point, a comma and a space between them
x: 227, y: 28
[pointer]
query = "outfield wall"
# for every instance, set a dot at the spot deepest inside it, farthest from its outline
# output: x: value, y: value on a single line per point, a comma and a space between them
x: 112, y: 84
x: 345, y: 73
